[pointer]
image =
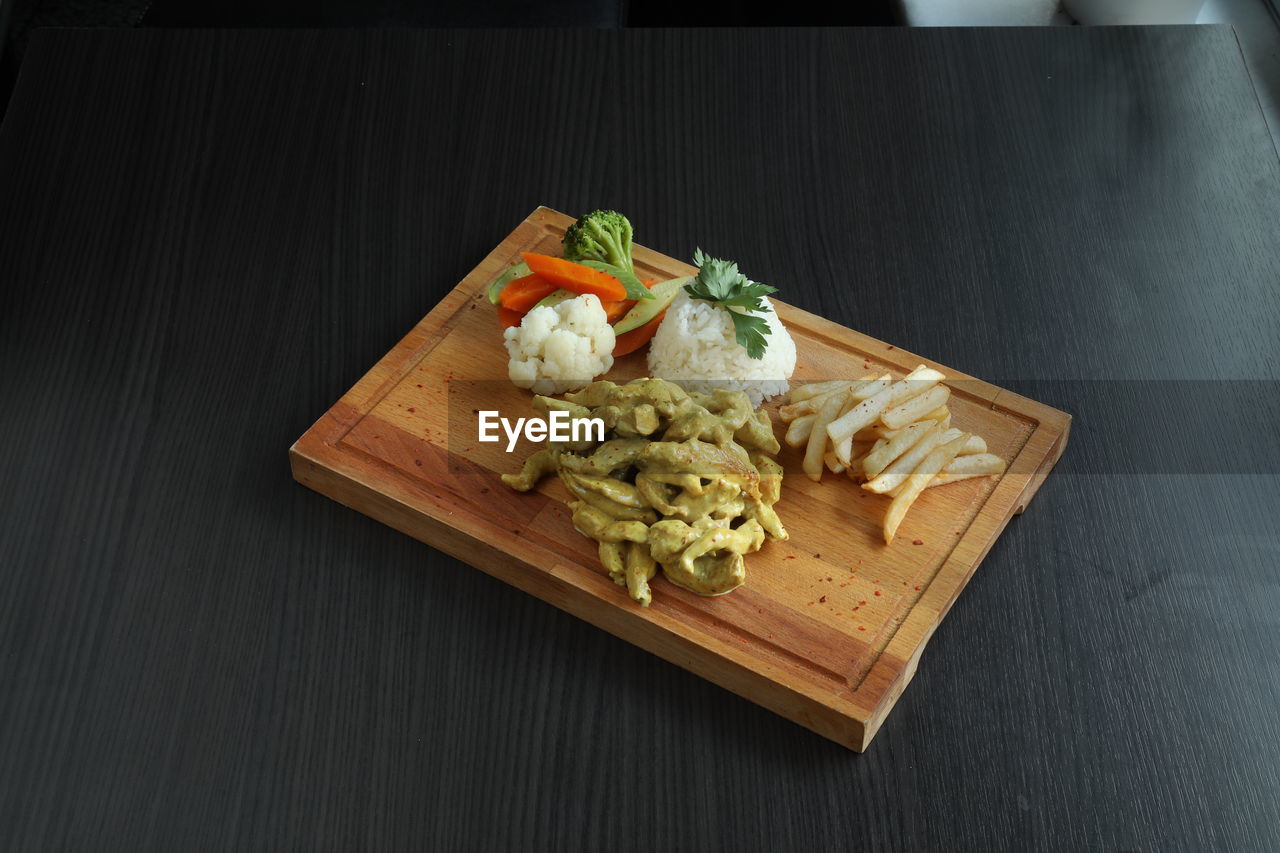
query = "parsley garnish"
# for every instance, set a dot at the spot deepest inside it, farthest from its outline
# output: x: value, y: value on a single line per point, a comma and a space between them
x: 720, y: 282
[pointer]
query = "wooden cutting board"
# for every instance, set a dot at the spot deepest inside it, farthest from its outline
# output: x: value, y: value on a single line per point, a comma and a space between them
x: 830, y: 625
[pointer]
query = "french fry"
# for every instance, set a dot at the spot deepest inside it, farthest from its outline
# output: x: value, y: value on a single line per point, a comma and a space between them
x: 810, y: 406
x: 842, y: 430
x: 867, y: 388
x: 916, y: 407
x: 918, y: 381
x: 818, y: 437
x: 966, y: 467
x: 979, y: 464
x: 882, y: 431
x: 926, y: 374
x: 887, y: 450
x: 974, y: 448
x: 849, y: 403
x: 815, y: 389
x: 896, y: 435
x: 811, y: 402
x: 897, y: 473
x: 798, y: 430
x: 918, y: 482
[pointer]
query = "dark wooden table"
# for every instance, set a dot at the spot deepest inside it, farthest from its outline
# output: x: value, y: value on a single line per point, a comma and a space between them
x: 207, y: 237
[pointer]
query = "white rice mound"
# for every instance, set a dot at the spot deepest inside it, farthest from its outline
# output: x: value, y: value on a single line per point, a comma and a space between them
x: 696, y: 348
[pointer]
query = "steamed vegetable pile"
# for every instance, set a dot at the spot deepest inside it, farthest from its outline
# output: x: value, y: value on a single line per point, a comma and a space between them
x: 597, y: 262
x: 558, y: 348
x: 566, y: 317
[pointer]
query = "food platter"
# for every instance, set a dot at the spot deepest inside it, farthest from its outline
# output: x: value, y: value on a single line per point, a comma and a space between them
x: 830, y: 625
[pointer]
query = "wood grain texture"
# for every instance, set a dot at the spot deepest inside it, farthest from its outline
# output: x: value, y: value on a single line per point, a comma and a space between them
x: 830, y: 630
x: 206, y: 238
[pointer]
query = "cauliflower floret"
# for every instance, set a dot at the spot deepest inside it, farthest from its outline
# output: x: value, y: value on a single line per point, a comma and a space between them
x: 559, y: 348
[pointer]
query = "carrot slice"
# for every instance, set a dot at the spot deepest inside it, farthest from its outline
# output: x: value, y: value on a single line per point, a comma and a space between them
x: 615, y: 311
x: 575, y: 277
x: 509, y: 318
x: 525, y: 292
x: 631, y: 341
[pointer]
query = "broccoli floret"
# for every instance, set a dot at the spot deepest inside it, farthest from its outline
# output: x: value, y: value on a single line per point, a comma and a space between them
x: 602, y: 235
